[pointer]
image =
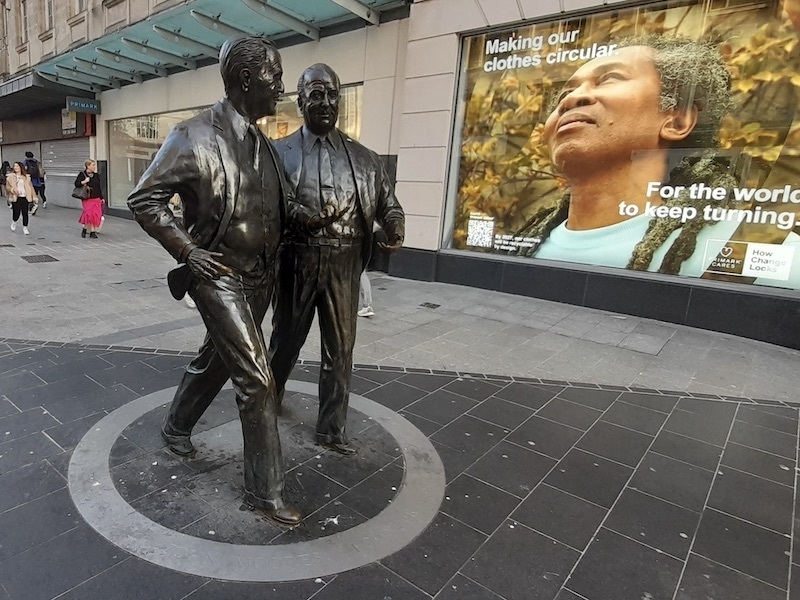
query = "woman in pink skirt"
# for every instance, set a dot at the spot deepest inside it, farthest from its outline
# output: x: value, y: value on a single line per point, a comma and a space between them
x: 92, y: 215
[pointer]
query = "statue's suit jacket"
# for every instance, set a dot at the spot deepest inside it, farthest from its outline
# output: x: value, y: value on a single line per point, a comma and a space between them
x: 374, y: 191
x: 198, y: 162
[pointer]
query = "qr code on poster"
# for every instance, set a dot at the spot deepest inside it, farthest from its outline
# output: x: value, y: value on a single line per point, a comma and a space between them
x: 480, y: 231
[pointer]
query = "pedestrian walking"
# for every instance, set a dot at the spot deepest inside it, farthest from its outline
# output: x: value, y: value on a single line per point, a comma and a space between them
x: 19, y: 190
x: 36, y: 171
x: 4, y: 171
x: 365, y: 296
x: 92, y: 216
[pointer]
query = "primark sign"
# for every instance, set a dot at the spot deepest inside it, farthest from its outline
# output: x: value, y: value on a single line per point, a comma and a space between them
x: 83, y: 105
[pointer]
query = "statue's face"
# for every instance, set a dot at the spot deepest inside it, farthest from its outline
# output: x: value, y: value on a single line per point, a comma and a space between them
x: 264, y: 88
x: 319, y: 100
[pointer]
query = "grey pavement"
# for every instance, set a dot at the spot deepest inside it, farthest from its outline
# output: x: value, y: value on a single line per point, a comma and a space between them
x: 113, y: 291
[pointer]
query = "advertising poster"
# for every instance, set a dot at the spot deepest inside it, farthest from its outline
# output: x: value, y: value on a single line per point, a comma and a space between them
x: 661, y: 138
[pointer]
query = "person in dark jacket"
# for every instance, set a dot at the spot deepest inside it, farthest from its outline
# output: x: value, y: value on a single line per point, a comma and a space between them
x: 92, y: 216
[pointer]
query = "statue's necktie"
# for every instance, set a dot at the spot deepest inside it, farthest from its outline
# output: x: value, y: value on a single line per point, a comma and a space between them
x: 326, y: 183
x: 255, y: 135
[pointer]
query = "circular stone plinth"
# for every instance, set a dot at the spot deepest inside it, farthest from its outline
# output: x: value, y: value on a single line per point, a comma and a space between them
x: 222, y: 544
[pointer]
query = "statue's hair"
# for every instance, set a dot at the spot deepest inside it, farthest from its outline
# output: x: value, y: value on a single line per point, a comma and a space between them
x: 243, y: 52
x: 301, y: 82
x: 692, y: 74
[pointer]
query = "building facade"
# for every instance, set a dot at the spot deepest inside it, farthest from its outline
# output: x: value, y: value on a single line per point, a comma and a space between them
x: 498, y: 119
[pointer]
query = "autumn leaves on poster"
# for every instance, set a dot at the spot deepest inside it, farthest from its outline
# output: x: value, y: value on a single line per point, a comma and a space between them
x: 659, y: 139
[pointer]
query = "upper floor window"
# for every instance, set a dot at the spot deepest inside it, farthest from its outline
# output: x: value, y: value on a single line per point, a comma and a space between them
x: 48, y: 15
x: 80, y: 6
x: 23, y: 21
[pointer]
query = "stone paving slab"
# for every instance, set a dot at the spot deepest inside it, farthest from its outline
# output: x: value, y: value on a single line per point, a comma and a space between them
x: 554, y: 490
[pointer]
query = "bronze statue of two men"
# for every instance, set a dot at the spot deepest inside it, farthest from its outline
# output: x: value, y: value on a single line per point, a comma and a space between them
x: 295, y: 218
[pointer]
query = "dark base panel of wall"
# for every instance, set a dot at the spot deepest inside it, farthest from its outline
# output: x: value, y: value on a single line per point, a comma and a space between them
x: 748, y: 312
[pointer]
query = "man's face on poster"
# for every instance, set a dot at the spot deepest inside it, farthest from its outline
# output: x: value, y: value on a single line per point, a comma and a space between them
x: 607, y: 111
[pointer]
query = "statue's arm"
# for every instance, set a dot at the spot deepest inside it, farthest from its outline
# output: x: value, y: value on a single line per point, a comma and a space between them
x: 175, y: 169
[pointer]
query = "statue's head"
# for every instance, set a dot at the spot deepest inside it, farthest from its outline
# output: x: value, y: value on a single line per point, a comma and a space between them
x: 318, y: 98
x: 251, y: 71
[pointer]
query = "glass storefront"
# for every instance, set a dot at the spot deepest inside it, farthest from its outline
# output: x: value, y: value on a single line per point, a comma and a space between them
x: 133, y: 142
x: 663, y: 138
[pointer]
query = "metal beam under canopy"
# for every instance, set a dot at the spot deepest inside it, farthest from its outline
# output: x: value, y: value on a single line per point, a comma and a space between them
x: 159, y: 55
x: 80, y: 85
x: 354, y: 6
x: 216, y: 25
x: 282, y: 18
x: 90, y: 78
x: 107, y: 71
x: 186, y: 43
x: 137, y: 65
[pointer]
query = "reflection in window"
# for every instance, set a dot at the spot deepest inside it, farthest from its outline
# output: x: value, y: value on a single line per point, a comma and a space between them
x: 289, y: 119
x: 132, y: 143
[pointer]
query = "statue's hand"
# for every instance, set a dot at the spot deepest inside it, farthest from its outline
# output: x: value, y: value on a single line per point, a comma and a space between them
x: 392, y: 245
x: 204, y: 264
x: 325, y: 217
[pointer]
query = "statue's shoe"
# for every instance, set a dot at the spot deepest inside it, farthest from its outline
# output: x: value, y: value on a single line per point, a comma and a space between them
x: 178, y: 444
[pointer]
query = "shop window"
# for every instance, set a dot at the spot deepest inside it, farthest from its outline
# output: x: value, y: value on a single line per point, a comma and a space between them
x: 289, y: 119
x: 132, y: 144
x: 667, y: 156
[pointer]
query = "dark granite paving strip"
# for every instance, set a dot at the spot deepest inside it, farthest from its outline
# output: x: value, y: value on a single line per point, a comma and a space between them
x: 674, y: 481
x: 463, y: 588
x: 395, y: 395
x: 372, y: 581
x: 569, y: 413
x: 762, y: 464
x: 26, y: 451
x: 706, y: 579
x: 615, y: 567
x: 766, y: 440
x: 501, y: 412
x: 441, y: 406
x: 654, y: 522
x: 657, y: 402
x: 597, y: 399
x: 616, y: 443
x: 528, y: 395
x: 28, y: 483
x: 561, y: 516
x: 23, y: 575
x: 36, y: 522
x: 25, y: 423
x: 477, y: 504
x: 745, y: 547
x: 7, y: 408
x: 753, y: 499
x: 223, y: 590
x: 512, y: 468
x: 435, y: 556
x: 518, y: 562
x: 134, y: 579
x: 590, y: 477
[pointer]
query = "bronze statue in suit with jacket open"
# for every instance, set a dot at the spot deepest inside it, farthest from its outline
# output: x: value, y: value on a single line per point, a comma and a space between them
x: 319, y: 271
x: 236, y: 207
